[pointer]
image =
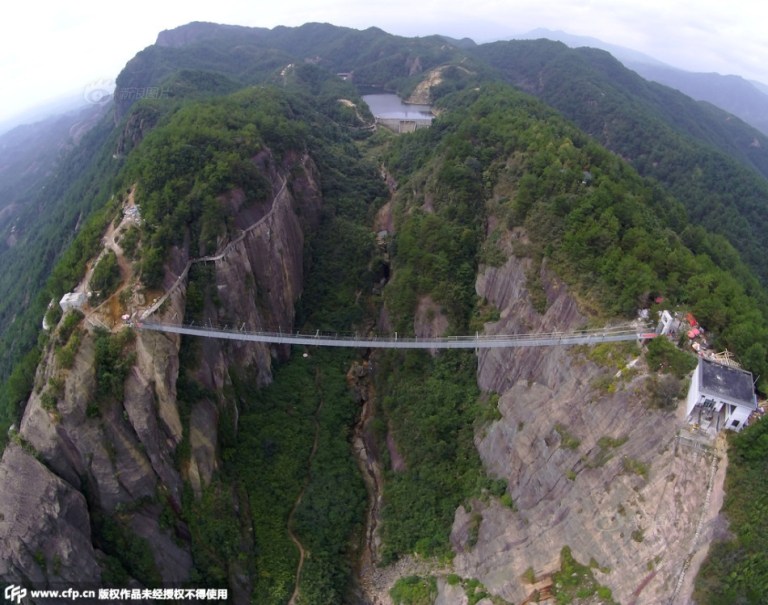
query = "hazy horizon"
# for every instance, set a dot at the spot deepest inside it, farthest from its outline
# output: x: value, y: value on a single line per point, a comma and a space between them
x: 56, y: 51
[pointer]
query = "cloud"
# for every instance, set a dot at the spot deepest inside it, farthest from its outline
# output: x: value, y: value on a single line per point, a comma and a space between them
x: 50, y: 48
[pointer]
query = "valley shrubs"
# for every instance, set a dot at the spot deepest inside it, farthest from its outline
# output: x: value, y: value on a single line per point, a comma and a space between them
x: 127, y: 554
x: 414, y: 590
x: 308, y: 407
x: 665, y: 391
x: 432, y: 406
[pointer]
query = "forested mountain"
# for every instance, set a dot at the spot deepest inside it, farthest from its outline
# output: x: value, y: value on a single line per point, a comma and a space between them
x: 736, y: 95
x: 44, y: 225
x: 29, y: 154
x: 239, y: 180
x: 250, y: 55
x: 744, y: 99
x: 700, y: 154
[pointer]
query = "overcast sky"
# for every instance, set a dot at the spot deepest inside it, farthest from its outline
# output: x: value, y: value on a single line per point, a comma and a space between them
x: 49, y: 48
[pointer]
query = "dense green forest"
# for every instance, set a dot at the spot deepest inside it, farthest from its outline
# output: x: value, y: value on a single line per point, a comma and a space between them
x: 682, y: 144
x: 670, y: 216
x: 67, y: 218
x: 291, y: 467
x: 713, y: 163
x: 255, y: 55
x: 291, y: 457
x: 617, y: 238
x: 736, y: 569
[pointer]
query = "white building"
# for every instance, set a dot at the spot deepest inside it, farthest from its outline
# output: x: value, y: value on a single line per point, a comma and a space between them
x: 668, y: 324
x: 72, y: 300
x: 720, y: 397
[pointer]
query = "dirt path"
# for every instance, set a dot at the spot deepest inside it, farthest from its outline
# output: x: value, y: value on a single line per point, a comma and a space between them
x: 291, y: 534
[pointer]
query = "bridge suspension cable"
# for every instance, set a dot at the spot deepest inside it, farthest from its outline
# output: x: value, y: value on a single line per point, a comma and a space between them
x: 478, y: 341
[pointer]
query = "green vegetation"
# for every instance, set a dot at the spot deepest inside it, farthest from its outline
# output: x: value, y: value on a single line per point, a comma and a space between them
x: 239, y: 57
x: 219, y: 538
x: 495, y: 158
x: 65, y: 355
x: 536, y: 288
x: 204, y: 151
x: 112, y: 362
x: 634, y: 466
x: 612, y: 355
x: 567, y: 440
x: 307, y: 407
x: 606, y: 446
x: 529, y: 576
x: 290, y: 465
x: 691, y: 149
x: 435, y: 253
x: 128, y: 555
x: 665, y: 391
x: 105, y: 277
x: 736, y: 569
x: 67, y: 327
x: 616, y: 240
x: 474, y: 589
x: 484, y: 312
x: 663, y: 356
x: 414, y: 590
x: 17, y: 390
x: 67, y: 339
x: 607, y: 443
x: 53, y: 315
x: 575, y: 581
x: 431, y: 404
x: 74, y: 196
x: 508, y: 501
x: 129, y: 241
x: 292, y: 444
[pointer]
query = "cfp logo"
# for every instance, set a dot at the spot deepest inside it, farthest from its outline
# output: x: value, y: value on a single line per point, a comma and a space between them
x: 15, y: 593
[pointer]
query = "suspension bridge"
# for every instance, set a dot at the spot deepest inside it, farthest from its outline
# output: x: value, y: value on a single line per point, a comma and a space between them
x: 477, y: 341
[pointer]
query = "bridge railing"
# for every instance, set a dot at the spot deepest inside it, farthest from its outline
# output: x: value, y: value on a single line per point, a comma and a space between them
x: 622, y: 332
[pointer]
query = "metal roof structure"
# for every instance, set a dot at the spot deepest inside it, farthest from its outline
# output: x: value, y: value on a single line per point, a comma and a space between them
x: 726, y: 382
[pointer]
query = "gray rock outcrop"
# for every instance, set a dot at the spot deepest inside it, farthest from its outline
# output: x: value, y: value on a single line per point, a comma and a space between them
x: 43, y: 521
x: 587, y: 463
x: 81, y: 459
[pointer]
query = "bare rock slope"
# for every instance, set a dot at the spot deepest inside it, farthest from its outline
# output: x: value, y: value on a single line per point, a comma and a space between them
x: 588, y: 464
x: 76, y: 459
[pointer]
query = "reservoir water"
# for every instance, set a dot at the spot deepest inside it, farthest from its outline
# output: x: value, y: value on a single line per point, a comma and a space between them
x: 391, y: 107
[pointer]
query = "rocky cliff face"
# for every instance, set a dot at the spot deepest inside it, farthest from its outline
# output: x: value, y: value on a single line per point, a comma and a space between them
x: 75, y: 461
x: 587, y: 463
